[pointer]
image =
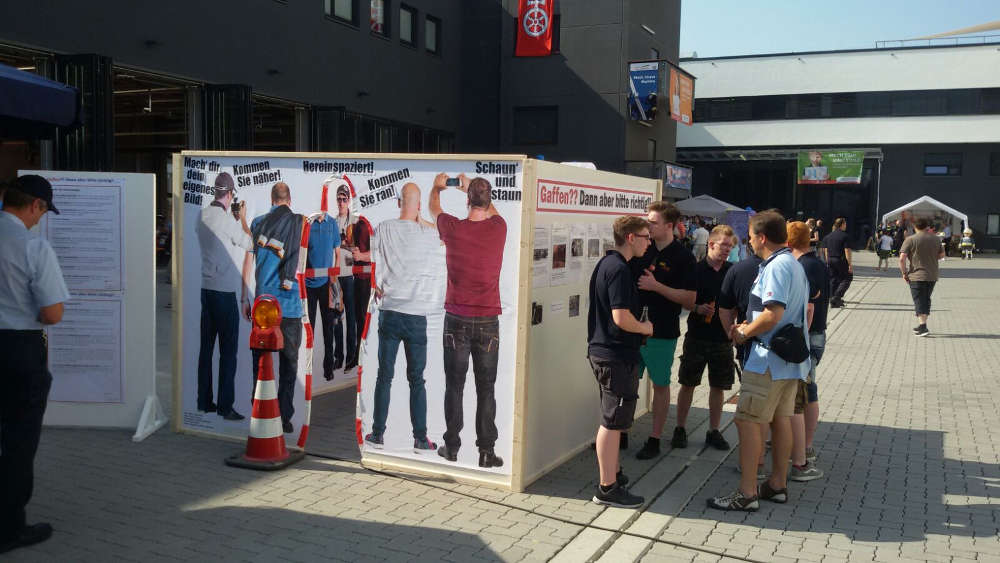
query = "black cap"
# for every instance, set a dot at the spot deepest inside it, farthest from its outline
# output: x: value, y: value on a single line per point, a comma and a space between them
x: 343, y: 189
x: 224, y: 182
x: 36, y: 186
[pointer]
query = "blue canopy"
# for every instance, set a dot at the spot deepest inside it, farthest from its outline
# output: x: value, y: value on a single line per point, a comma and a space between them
x: 33, y: 106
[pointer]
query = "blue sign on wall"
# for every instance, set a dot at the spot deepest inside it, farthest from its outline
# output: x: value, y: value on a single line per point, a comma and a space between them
x: 643, y: 81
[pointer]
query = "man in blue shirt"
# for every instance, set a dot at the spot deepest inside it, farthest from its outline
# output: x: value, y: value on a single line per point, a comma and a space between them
x: 324, y: 239
x: 32, y: 293
x: 779, y: 297
x: 276, y: 237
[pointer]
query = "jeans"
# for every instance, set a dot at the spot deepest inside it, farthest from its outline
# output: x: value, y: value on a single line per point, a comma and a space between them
x: 817, y: 344
x: 220, y: 317
x: 26, y: 379
x: 411, y: 330
x: 840, y: 278
x: 480, y: 338
x: 347, y: 290
x: 362, y: 293
x: 288, y: 365
x: 321, y: 296
x: 921, y: 293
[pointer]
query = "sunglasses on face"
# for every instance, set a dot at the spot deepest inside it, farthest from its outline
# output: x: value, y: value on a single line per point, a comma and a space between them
x: 340, y: 198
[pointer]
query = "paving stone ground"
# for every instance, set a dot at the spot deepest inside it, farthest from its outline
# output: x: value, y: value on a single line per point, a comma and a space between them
x: 906, y: 437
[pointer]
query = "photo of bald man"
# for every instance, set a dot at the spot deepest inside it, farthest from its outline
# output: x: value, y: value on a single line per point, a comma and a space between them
x: 404, y: 279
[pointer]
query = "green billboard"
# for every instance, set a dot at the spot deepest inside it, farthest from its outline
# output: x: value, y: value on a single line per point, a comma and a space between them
x: 832, y: 166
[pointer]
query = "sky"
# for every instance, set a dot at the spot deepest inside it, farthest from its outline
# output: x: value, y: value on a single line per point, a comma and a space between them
x: 716, y: 28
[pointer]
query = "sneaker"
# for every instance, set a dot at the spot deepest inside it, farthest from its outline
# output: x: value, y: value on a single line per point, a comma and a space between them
x: 489, y: 459
x: 231, y: 415
x: 714, y: 438
x: 423, y: 444
x: 922, y: 331
x: 811, y: 454
x: 621, y: 478
x: 374, y: 440
x: 735, y: 501
x: 448, y: 453
x: 680, y: 439
x: 916, y: 329
x: 807, y: 472
x: 765, y: 492
x: 650, y: 450
x: 761, y: 472
x: 618, y: 497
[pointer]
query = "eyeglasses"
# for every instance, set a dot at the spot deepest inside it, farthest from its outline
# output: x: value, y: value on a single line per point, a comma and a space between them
x: 342, y: 198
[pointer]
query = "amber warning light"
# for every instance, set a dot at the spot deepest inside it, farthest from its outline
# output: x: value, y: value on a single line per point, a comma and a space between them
x: 266, y: 331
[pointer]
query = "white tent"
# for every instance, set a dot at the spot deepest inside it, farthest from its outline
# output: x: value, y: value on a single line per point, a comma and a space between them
x: 705, y: 205
x: 934, y: 210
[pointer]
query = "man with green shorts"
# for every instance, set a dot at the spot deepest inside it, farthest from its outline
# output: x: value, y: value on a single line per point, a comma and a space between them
x: 665, y: 275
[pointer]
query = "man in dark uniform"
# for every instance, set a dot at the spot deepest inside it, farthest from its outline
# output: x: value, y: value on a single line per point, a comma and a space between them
x: 837, y: 246
x: 32, y: 293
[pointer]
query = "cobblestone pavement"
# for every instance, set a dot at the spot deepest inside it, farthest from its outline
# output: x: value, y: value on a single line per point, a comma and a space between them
x: 904, y: 437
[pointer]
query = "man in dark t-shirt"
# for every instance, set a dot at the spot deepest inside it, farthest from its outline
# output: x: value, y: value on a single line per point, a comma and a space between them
x: 614, y: 335
x: 474, y: 257
x: 665, y: 274
x: 707, y: 342
x: 838, y: 256
x: 734, y: 296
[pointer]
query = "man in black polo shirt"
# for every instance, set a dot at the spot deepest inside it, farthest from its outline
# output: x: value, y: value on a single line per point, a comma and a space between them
x: 707, y: 340
x: 614, y: 335
x: 666, y: 279
x: 838, y: 256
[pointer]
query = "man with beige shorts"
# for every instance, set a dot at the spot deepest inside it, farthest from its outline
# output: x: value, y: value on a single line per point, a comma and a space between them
x: 779, y: 297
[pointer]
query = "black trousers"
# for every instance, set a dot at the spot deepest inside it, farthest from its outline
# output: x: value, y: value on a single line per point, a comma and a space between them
x: 478, y: 337
x: 26, y: 378
x: 840, y: 278
x: 362, y: 293
x: 288, y: 366
x: 921, y: 293
x: 333, y: 333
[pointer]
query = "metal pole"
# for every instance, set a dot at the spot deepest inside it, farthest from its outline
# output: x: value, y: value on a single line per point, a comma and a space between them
x: 878, y: 192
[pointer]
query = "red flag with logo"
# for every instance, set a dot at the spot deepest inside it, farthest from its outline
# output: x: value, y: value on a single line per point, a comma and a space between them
x: 534, y: 28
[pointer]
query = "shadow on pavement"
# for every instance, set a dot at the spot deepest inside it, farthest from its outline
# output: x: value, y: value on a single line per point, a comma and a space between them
x: 881, y: 485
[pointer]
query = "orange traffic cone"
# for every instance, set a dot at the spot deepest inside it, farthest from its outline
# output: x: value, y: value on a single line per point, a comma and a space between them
x: 266, y: 443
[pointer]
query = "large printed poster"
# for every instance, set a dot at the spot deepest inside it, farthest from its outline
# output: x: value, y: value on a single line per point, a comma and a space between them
x: 397, y: 271
x: 836, y: 166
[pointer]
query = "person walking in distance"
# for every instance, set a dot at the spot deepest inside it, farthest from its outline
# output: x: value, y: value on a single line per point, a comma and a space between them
x: 706, y: 343
x: 474, y: 258
x: 614, y: 335
x: 837, y: 247
x: 32, y: 295
x: 665, y: 274
x: 779, y: 297
x: 918, y: 264
x: 403, y: 249
x: 219, y: 234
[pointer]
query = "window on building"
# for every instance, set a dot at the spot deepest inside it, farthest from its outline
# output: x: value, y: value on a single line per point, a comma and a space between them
x: 995, y: 164
x: 993, y: 224
x: 943, y: 164
x: 432, y: 34
x: 342, y: 10
x: 377, y: 21
x: 407, y: 25
x: 536, y: 125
